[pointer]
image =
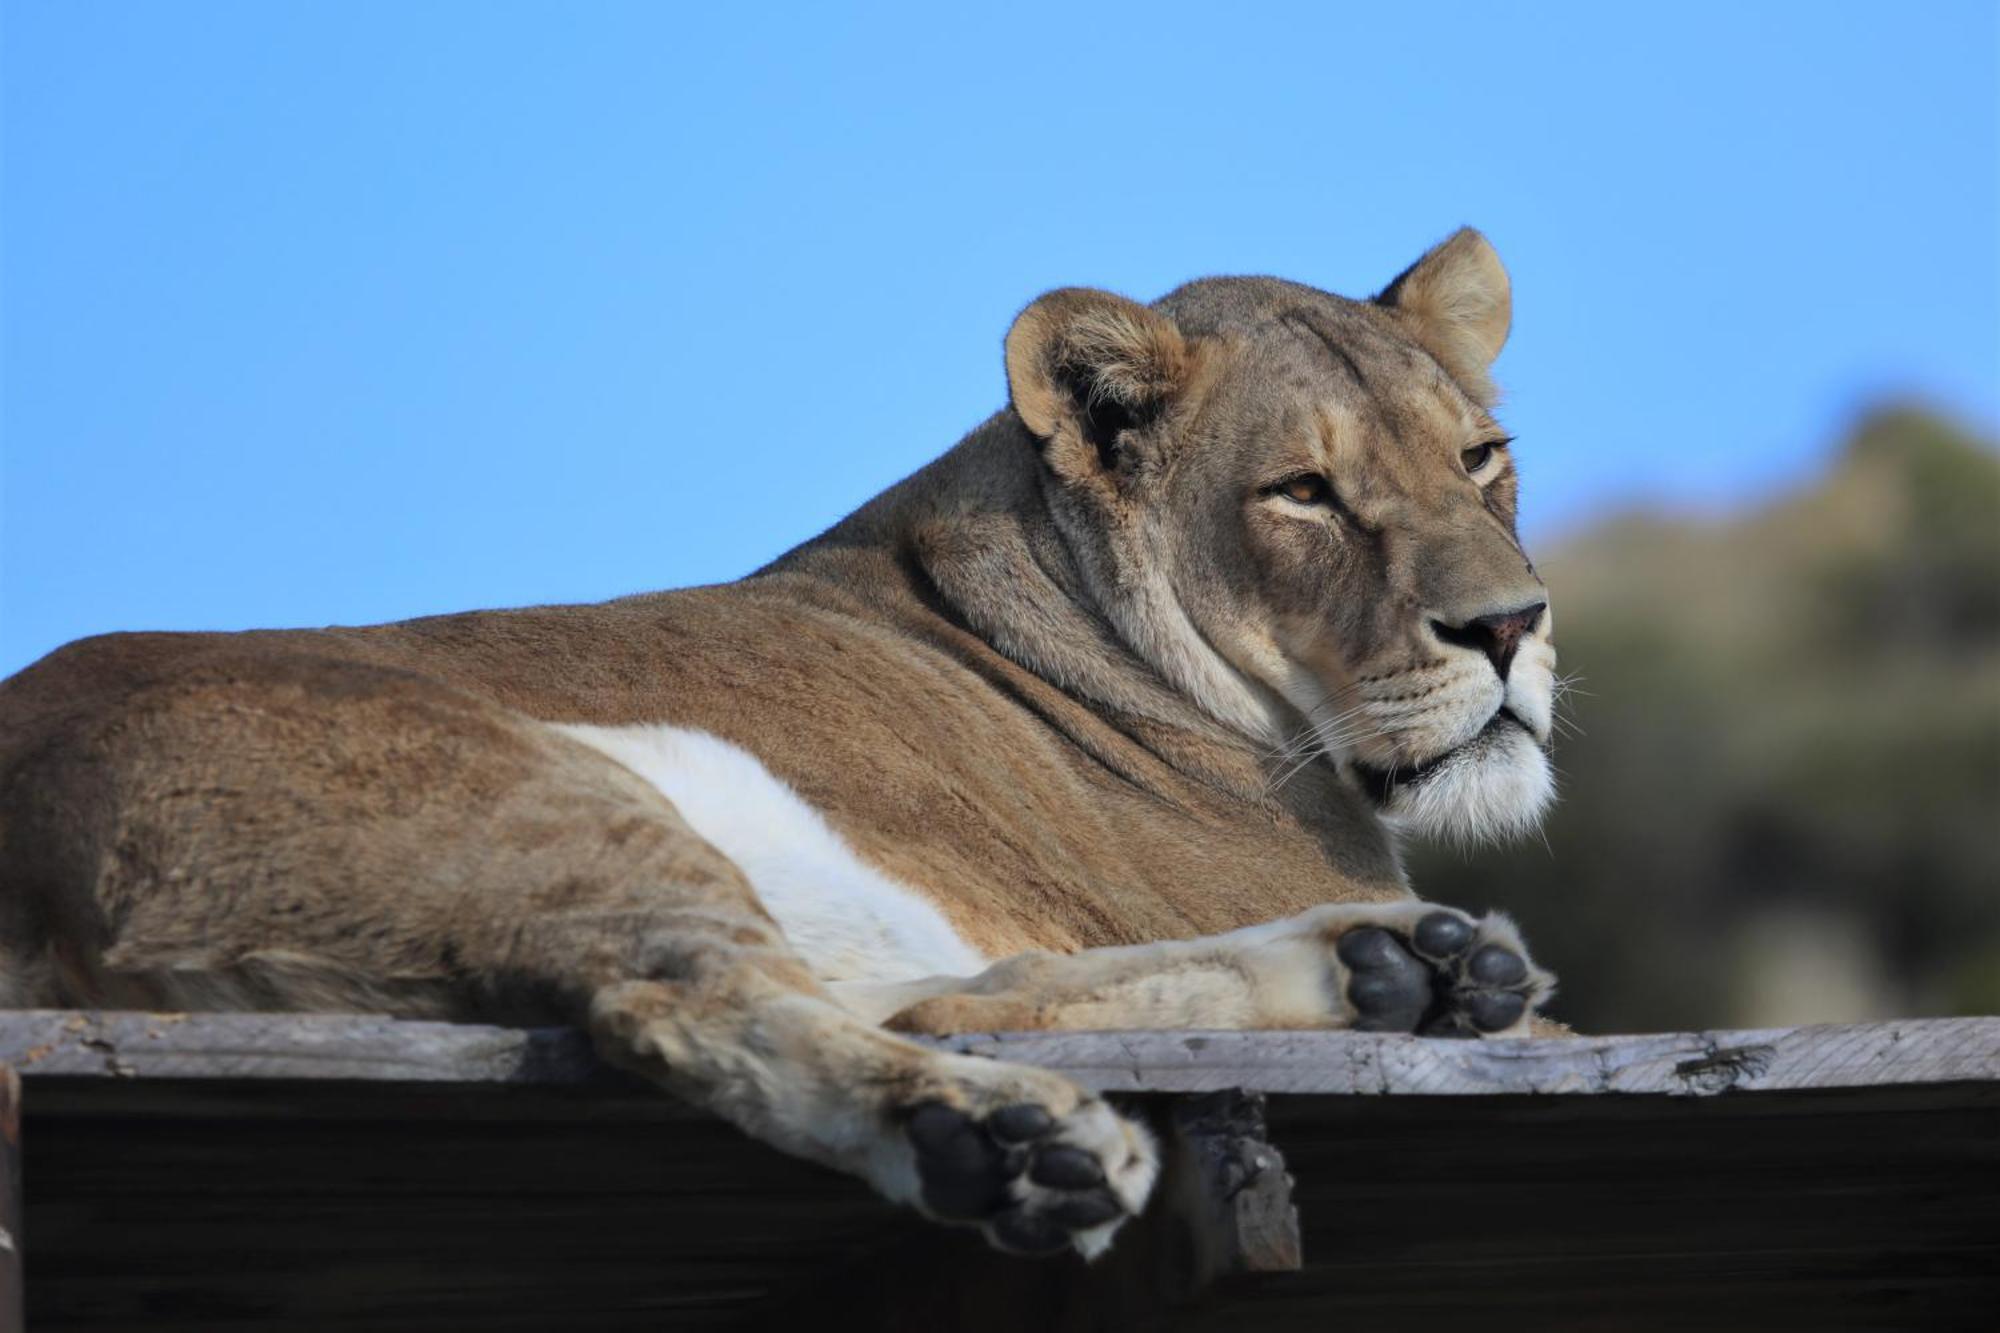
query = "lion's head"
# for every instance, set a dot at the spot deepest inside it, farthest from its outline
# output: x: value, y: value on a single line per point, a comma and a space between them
x: 1300, y: 510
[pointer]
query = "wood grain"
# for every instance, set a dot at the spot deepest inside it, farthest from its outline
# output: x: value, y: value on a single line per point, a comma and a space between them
x: 55, y: 1043
x: 234, y: 1171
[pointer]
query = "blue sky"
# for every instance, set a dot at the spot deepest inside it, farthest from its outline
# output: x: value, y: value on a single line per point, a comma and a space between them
x: 344, y: 312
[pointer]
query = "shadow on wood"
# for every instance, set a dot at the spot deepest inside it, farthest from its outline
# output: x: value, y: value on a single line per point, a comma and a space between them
x: 231, y: 1170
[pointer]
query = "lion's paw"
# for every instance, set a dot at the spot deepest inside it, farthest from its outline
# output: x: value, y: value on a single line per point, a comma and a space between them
x: 1035, y: 1182
x: 1448, y: 975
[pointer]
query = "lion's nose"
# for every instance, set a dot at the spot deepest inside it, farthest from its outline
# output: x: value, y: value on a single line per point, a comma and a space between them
x: 1496, y: 635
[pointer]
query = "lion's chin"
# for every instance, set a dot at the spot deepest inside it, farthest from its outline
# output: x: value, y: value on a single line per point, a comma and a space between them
x: 1495, y: 786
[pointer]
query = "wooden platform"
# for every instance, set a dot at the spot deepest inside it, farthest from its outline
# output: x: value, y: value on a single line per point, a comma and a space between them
x: 218, y: 1171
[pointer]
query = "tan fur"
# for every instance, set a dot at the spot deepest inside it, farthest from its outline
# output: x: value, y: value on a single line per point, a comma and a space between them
x: 1084, y: 681
x: 1459, y: 305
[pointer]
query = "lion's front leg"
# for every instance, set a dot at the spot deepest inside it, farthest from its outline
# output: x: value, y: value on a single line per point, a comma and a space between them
x: 1372, y: 967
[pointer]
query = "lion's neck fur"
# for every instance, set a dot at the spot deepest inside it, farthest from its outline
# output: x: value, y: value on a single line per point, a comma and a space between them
x: 982, y: 530
x: 1146, y: 799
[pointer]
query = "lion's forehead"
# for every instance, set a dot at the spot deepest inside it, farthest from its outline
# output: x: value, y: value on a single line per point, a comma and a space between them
x: 1270, y: 315
x: 1356, y: 400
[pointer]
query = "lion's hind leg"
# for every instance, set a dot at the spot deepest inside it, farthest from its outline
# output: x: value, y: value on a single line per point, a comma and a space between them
x: 1372, y: 967
x: 1032, y: 1160
x: 250, y: 832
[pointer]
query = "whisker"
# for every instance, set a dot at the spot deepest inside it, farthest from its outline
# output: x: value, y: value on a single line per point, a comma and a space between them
x: 1325, y: 740
x: 1307, y: 735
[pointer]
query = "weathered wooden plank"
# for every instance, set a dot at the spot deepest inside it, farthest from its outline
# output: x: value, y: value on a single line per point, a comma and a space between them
x: 59, y: 1044
x: 201, y: 1171
x: 87, y: 1044
x: 1859, y: 1055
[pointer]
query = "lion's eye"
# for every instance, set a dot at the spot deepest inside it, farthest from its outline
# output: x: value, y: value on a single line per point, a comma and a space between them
x: 1476, y: 459
x: 1308, y: 488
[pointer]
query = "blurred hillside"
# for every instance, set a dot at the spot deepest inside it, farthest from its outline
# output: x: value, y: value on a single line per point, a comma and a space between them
x: 1781, y: 800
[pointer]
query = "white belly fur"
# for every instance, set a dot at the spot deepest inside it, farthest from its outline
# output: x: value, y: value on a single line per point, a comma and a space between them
x: 848, y: 920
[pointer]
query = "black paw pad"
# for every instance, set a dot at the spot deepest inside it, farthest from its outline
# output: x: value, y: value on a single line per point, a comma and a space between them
x: 1494, y: 965
x: 1087, y: 1210
x: 1388, y: 986
x: 1491, y: 1011
x: 1446, y: 977
x: 964, y: 1172
x: 1482, y: 986
x: 1443, y: 935
x: 973, y: 1169
x: 1020, y: 1122
x: 1065, y: 1168
x: 935, y: 1127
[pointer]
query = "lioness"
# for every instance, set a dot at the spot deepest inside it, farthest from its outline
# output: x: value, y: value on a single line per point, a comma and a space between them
x: 1103, y: 719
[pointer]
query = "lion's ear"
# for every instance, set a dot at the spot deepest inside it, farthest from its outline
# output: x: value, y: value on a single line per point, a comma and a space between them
x: 1085, y: 367
x: 1457, y: 303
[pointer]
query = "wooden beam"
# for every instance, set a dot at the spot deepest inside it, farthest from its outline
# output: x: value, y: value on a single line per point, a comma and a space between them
x: 61, y: 1044
x: 1856, y: 1055
x: 55, y: 1043
x: 189, y: 1173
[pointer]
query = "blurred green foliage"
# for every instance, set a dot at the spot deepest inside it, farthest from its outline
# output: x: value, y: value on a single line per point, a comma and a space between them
x: 1781, y: 782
